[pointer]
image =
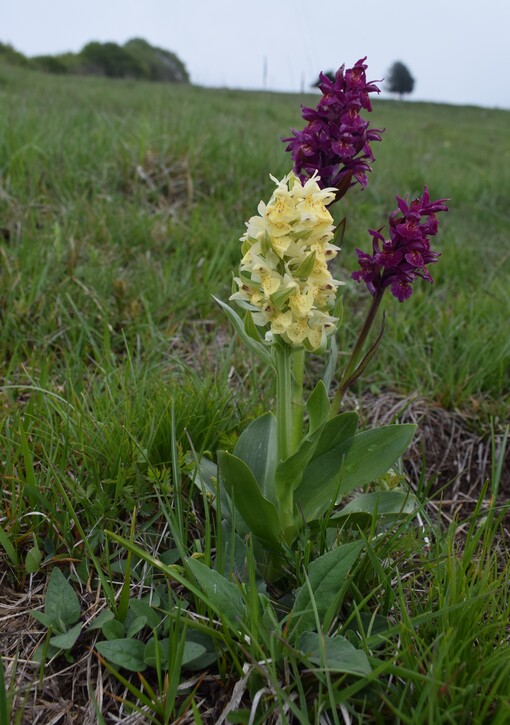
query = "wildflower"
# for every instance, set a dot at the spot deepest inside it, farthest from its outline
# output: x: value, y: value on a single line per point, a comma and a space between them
x: 336, y: 141
x: 397, y: 261
x: 284, y: 280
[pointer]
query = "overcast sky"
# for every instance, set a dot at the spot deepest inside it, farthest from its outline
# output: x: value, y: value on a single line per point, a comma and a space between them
x: 457, y: 50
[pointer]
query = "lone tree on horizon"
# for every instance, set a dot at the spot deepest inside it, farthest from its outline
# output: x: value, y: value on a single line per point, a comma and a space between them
x: 400, y: 79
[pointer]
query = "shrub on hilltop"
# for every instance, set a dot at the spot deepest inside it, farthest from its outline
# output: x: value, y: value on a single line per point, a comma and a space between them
x: 50, y: 64
x: 10, y: 55
x: 135, y: 59
x: 158, y: 64
x: 111, y: 60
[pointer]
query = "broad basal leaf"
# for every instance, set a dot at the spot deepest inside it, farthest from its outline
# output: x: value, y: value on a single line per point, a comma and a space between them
x: 331, y: 366
x: 372, y: 453
x: 257, y: 448
x: 135, y: 625
x: 289, y: 473
x: 207, y: 644
x: 41, y: 617
x: 326, y: 577
x: 61, y: 604
x: 224, y: 595
x: 335, y: 654
x: 142, y: 608
x: 380, y: 503
x: 194, y: 652
x: 191, y: 652
x: 232, y: 560
x: 9, y: 549
x: 206, y: 479
x: 126, y: 653
x: 105, y: 616
x: 113, y: 629
x: 259, y: 514
x: 33, y: 560
x: 355, y: 462
x: 335, y: 431
x: 67, y: 639
x: 319, y: 476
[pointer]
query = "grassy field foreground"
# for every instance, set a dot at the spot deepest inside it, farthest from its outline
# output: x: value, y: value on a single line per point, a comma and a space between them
x: 121, y: 206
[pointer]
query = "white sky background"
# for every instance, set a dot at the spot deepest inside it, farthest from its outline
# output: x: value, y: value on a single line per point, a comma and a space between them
x: 457, y: 50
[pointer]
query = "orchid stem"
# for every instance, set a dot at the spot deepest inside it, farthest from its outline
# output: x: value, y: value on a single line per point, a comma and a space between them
x: 297, y: 367
x: 350, y: 368
x: 289, y: 366
x: 283, y: 365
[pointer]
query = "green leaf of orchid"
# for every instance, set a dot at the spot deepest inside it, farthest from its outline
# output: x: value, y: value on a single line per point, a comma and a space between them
x: 372, y: 453
x: 243, y: 304
x: 343, y: 186
x: 318, y: 407
x: 360, y: 369
x: 206, y: 642
x: 234, y: 555
x: 205, y: 477
x: 257, y: 448
x: 105, y: 616
x: 360, y: 512
x: 338, y: 310
x: 142, y: 608
x: 335, y: 431
x: 329, y: 372
x: 246, y: 279
x: 257, y: 348
x: 113, y: 629
x: 301, y: 234
x: 259, y: 514
x: 379, y: 503
x: 42, y: 618
x: 289, y: 473
x: 354, y: 462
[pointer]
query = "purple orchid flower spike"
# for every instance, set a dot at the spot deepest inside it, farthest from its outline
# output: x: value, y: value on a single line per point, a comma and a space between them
x: 336, y: 140
x: 396, y: 262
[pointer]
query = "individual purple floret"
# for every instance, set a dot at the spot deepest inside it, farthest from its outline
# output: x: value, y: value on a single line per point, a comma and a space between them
x: 336, y: 140
x: 396, y: 262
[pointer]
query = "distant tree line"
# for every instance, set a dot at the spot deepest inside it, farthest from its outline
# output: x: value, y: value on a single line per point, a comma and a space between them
x: 135, y: 59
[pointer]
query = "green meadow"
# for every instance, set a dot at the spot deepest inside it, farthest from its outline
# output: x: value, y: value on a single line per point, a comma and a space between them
x: 121, y: 208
